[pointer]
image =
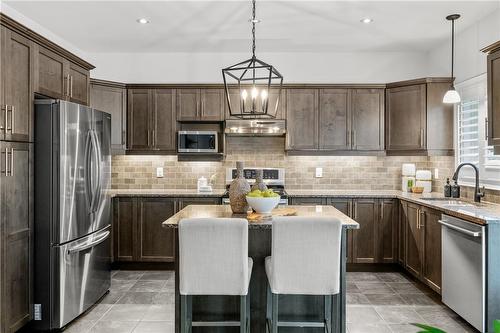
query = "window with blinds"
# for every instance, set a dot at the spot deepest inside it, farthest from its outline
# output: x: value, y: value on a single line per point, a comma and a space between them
x: 472, y: 134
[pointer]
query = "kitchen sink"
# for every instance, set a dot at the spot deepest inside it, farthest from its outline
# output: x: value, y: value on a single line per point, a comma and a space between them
x: 448, y: 202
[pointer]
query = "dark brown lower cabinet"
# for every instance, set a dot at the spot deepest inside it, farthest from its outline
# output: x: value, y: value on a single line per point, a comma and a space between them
x: 365, y: 239
x: 16, y: 238
x: 156, y: 244
x: 304, y: 201
x: 422, y: 243
x: 138, y: 235
x: 431, y: 229
x: 387, y: 231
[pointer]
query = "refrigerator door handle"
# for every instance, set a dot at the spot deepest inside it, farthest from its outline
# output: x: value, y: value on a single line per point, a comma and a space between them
x: 86, y: 246
x: 88, y: 171
x: 97, y: 156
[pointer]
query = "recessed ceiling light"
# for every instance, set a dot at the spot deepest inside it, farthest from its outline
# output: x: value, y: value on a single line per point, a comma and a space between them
x: 366, y: 20
x: 142, y: 21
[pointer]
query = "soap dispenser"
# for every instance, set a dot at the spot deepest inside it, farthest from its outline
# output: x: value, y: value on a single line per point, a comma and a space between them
x: 447, y: 188
x: 455, y: 190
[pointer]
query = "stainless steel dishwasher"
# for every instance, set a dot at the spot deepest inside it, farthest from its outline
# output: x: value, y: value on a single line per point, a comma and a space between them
x: 464, y: 269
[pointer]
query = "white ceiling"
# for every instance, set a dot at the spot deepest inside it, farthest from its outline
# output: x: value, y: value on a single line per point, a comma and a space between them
x: 222, y: 26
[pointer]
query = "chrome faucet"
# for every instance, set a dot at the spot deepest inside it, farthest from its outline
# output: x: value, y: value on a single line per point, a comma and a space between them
x: 477, y: 192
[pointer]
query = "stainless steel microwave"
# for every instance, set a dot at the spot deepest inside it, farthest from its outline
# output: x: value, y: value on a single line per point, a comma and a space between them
x: 197, y: 142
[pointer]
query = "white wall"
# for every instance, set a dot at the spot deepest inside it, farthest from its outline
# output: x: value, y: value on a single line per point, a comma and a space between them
x: 469, y: 60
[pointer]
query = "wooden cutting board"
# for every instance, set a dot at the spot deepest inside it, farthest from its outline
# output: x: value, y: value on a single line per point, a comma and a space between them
x: 253, y: 216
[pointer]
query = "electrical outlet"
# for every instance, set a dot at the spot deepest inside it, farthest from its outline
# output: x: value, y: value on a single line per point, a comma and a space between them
x: 319, y: 172
x: 436, y: 173
x: 159, y: 172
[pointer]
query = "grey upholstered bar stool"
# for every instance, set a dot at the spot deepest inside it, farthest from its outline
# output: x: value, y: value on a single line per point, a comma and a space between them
x: 213, y: 260
x: 305, y: 261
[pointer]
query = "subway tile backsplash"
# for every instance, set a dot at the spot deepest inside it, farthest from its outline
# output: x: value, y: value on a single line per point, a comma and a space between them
x: 339, y: 172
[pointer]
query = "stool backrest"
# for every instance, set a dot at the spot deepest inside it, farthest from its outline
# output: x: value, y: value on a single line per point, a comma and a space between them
x: 213, y: 256
x: 306, y: 255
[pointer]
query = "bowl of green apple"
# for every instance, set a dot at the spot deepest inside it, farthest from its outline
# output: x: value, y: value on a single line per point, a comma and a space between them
x: 263, y: 202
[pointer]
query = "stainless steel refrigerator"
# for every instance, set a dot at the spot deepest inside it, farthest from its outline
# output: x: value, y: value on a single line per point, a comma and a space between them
x: 72, y: 210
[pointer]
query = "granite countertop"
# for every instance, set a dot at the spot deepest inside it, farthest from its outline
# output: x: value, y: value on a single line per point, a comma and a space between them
x: 165, y: 193
x: 224, y: 211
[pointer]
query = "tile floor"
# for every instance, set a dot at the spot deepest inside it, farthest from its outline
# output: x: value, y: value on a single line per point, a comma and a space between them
x: 143, y: 301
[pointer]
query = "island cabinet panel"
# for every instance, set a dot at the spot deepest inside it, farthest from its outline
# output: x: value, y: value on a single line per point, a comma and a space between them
x: 302, y: 119
x: 365, y: 239
x: 57, y: 77
x: 16, y: 234
x: 345, y: 206
x: 156, y: 244
x: 367, y: 114
x: 112, y: 99
x: 124, y: 229
x: 387, y: 231
x: 406, y: 117
x: 493, y: 61
x: 206, y: 104
x: 334, y: 119
x: 431, y: 229
x: 16, y: 100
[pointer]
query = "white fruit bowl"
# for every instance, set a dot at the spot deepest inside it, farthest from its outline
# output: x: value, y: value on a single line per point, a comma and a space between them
x: 263, y: 205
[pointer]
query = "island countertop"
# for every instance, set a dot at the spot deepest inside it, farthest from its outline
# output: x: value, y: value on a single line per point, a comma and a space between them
x: 224, y: 211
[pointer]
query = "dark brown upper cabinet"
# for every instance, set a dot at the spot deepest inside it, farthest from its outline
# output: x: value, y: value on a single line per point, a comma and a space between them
x: 367, y: 114
x: 111, y: 97
x: 335, y: 119
x: 16, y: 100
x: 206, y: 104
x: 273, y: 95
x: 57, y: 77
x: 493, y: 61
x: 151, y: 120
x: 417, y: 121
x: 302, y: 119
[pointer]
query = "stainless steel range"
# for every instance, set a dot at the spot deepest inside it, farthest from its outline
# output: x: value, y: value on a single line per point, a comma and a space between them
x: 274, y: 178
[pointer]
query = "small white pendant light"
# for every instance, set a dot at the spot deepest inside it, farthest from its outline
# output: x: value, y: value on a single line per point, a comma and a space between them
x: 452, y: 96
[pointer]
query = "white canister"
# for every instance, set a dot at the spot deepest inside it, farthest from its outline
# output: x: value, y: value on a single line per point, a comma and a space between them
x: 408, y: 169
x: 202, y: 182
x: 423, y: 175
x: 426, y: 184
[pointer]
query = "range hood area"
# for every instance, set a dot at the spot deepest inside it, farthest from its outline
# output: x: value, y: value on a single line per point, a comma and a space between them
x: 255, y: 127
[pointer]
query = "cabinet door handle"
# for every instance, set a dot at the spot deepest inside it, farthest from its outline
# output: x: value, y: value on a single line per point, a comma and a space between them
x: 6, y: 160
x: 354, y: 138
x: 71, y: 86
x: 348, y: 138
x: 148, y: 137
x: 381, y: 210
x: 12, y: 116
x: 67, y: 85
x: 422, y: 138
x: 123, y: 137
x: 4, y: 110
x: 154, y: 138
x: 486, y: 129
x: 418, y: 218
x: 202, y: 108
x: 11, y: 162
x: 422, y: 219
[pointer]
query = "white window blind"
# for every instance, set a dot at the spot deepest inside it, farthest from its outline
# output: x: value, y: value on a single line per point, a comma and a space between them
x: 472, y: 135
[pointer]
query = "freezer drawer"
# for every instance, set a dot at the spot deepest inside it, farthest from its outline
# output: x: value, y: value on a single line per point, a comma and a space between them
x: 82, y: 275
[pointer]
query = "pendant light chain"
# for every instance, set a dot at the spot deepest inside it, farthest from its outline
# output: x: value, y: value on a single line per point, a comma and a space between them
x: 253, y: 28
x: 452, y: 47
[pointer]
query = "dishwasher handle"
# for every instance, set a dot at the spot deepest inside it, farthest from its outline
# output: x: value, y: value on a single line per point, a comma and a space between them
x: 460, y: 229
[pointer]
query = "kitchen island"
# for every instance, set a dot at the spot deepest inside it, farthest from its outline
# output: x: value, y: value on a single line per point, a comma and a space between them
x: 296, y: 307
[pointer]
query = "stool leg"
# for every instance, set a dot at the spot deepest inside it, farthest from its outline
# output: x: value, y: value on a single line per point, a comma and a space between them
x: 274, y: 320
x: 328, y: 313
x: 183, y: 314
x: 248, y: 313
x: 243, y: 314
x: 189, y: 305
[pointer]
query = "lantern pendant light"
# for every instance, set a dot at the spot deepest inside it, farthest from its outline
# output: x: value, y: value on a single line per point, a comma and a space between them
x: 452, y: 96
x: 252, y: 79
